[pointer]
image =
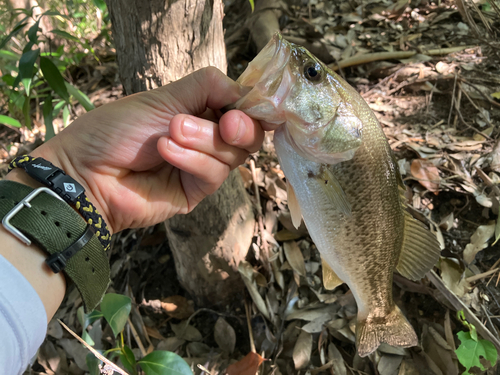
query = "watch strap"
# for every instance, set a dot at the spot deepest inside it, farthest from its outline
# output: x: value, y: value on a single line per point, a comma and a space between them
x: 67, y: 188
x: 55, y: 227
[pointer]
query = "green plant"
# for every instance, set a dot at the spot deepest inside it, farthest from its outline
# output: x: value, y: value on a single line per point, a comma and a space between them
x: 33, y: 77
x: 472, y: 348
x: 115, y: 309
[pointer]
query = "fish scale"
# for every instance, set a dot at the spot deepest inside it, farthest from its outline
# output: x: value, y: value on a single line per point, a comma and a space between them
x: 343, y: 179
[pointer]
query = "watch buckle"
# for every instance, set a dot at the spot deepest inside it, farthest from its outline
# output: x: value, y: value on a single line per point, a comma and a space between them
x: 18, y: 207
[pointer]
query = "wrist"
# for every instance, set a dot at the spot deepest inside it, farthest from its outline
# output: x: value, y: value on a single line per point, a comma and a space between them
x: 61, y: 161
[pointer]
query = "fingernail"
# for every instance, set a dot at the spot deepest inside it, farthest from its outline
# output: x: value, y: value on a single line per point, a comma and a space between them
x: 189, y: 127
x: 240, y: 131
x: 173, y: 147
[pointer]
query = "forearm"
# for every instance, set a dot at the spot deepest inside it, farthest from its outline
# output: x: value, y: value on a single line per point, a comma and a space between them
x: 30, y: 260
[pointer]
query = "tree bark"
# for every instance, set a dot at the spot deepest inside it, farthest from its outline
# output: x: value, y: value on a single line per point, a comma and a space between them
x: 157, y: 42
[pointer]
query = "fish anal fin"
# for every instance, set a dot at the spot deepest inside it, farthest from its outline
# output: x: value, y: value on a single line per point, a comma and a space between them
x: 332, y: 189
x: 420, y: 251
x: 330, y: 278
x: 393, y: 329
x: 293, y: 206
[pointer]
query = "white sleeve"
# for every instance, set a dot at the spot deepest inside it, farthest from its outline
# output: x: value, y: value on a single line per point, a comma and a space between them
x: 23, y: 320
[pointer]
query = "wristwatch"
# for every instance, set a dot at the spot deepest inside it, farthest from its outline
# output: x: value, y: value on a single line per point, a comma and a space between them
x: 43, y: 217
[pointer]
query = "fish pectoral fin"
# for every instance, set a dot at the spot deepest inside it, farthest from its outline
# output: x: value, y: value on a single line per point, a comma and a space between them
x: 332, y: 189
x: 330, y: 278
x: 293, y: 206
x: 420, y: 250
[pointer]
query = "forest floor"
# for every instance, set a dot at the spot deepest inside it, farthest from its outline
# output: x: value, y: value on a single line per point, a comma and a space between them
x: 429, y: 71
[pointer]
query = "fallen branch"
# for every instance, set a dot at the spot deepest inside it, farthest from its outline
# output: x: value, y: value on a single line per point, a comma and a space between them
x: 459, y: 305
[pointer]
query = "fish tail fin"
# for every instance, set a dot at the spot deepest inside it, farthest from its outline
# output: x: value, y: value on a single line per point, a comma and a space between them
x: 393, y: 329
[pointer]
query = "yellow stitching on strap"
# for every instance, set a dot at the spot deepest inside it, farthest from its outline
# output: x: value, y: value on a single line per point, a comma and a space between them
x: 98, y: 224
x: 77, y: 205
x: 88, y: 209
x: 97, y: 234
x: 90, y: 221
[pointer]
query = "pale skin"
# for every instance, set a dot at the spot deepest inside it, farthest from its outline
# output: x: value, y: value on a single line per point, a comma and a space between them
x: 141, y: 160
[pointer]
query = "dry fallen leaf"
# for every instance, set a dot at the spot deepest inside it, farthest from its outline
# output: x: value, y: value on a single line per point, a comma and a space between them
x: 302, y: 350
x: 186, y: 332
x: 246, y: 366
x: 224, y: 335
x: 451, y: 273
x: 436, y: 347
x: 426, y: 173
x: 338, y: 365
x: 389, y: 364
x: 295, y: 257
x: 177, y: 307
x: 479, y: 241
x: 246, y: 271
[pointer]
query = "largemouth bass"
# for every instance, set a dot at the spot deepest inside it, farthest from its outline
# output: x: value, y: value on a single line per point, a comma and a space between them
x: 344, y: 181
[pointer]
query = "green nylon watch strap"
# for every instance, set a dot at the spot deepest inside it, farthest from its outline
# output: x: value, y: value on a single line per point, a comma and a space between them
x: 54, y: 226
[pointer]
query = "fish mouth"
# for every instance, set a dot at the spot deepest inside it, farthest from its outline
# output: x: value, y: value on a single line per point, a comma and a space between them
x: 269, y: 79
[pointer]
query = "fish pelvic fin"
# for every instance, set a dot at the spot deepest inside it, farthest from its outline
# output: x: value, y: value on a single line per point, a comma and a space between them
x: 393, y: 329
x: 293, y: 206
x: 330, y: 278
x: 420, y: 250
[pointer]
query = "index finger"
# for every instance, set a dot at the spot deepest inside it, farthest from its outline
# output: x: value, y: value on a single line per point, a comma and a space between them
x: 205, y: 88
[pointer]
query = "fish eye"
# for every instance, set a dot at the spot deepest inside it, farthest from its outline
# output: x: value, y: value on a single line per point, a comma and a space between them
x: 312, y: 72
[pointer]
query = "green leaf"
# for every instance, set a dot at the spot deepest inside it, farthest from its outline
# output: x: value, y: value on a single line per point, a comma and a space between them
x: 470, y: 350
x: 472, y: 328
x: 128, y: 359
x: 26, y: 112
x: 26, y: 64
x: 252, y: 4
x: 33, y: 30
x: 8, y: 79
x: 116, y: 309
x: 93, y: 364
x: 84, y: 319
x: 14, y: 31
x: 9, y: 121
x: 161, y: 362
x: 57, y: 108
x: 66, y: 115
x: 54, y: 78
x: 54, y: 13
x: 9, y: 55
x: 100, y: 4
x: 80, y: 96
x: 65, y: 35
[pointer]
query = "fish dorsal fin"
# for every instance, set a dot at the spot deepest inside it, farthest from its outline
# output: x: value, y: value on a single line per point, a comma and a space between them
x: 293, y: 206
x: 332, y: 189
x: 330, y: 278
x: 420, y: 250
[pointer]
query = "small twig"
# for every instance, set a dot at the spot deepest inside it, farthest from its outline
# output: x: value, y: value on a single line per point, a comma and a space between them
x: 481, y: 93
x: 250, y: 332
x: 137, y: 338
x: 109, y: 365
x: 481, y: 275
x: 452, y: 99
x: 459, y: 305
x: 204, y: 369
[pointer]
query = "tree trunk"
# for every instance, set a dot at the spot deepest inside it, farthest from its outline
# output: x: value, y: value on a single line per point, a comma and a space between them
x: 157, y: 42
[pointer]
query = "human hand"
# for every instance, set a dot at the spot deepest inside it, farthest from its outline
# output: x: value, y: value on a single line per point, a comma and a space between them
x: 149, y: 156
